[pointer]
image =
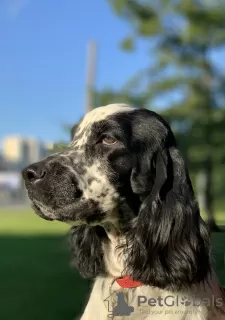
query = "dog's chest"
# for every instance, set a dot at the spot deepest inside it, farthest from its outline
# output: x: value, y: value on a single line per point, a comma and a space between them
x: 141, y: 303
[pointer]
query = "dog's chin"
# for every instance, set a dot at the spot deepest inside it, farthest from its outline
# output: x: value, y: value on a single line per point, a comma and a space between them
x: 38, y: 211
x: 47, y: 213
x: 69, y: 214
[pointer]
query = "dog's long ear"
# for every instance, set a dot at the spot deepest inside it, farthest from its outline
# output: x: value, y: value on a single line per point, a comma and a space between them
x: 86, y: 243
x: 168, y: 240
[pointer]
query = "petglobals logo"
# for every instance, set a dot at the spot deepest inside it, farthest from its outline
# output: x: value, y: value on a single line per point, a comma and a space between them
x: 176, y: 301
x: 118, y: 304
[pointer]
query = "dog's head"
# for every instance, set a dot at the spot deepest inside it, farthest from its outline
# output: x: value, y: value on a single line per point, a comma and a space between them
x: 123, y: 167
x: 85, y: 183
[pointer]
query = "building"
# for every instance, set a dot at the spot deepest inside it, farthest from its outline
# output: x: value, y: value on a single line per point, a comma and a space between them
x: 2, y: 162
x: 34, y: 150
x: 19, y: 152
x: 12, y: 148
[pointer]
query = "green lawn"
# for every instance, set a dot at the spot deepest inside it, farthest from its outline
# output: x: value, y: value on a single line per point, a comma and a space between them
x: 36, y: 280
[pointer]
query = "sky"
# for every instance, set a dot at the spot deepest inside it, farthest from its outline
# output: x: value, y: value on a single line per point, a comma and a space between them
x: 43, y: 52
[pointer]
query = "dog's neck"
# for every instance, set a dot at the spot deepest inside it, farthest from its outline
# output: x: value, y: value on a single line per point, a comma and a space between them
x: 114, y: 248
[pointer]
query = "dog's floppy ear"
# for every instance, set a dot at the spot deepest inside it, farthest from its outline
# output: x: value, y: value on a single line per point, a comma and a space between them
x: 168, y: 240
x: 87, y: 250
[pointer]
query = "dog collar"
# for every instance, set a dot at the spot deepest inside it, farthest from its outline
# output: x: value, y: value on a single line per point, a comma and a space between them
x: 128, y: 282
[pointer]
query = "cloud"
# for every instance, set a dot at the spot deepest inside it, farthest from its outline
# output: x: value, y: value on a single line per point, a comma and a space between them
x: 14, y: 7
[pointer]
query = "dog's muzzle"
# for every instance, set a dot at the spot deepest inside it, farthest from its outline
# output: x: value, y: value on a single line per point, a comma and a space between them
x: 51, y: 185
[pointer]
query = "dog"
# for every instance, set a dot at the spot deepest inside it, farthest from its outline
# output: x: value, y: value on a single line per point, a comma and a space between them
x: 136, y: 228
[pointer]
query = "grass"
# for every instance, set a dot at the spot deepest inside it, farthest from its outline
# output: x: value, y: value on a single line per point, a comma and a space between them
x: 218, y: 240
x: 220, y: 217
x: 36, y: 280
x: 26, y: 222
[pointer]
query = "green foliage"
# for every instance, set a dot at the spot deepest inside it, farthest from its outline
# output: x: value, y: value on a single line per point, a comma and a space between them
x: 108, y: 96
x: 128, y: 44
x: 59, y: 146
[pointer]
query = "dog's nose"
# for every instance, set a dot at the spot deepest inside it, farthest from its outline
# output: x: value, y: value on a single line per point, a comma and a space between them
x: 34, y: 172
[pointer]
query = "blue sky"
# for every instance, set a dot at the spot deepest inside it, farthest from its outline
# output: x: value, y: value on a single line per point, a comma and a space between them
x: 43, y: 59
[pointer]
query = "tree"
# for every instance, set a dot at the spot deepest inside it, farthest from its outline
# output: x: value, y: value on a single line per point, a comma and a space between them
x: 182, y: 36
x: 61, y: 145
x: 108, y: 96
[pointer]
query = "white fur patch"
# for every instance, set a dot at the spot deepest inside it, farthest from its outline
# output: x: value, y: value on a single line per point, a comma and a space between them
x: 101, y: 113
x: 96, y: 115
x: 100, y: 189
x: 94, y: 182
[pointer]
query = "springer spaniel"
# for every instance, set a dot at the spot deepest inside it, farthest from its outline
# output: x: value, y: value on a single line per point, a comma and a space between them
x: 136, y: 228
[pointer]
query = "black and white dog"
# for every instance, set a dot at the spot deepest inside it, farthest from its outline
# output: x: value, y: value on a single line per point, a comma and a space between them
x: 124, y: 187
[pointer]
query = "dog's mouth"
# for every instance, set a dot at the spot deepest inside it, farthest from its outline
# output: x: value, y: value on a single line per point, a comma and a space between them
x: 48, y: 209
x: 64, y: 214
x: 39, y: 212
x: 74, y: 213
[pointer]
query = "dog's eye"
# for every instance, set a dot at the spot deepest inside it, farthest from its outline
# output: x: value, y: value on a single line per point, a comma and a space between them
x: 108, y: 140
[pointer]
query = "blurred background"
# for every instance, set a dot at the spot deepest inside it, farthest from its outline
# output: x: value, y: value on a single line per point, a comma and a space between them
x: 58, y: 60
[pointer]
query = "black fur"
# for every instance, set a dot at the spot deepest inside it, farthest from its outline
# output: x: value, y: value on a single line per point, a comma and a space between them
x: 86, y: 243
x: 168, y: 242
x: 167, y: 239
